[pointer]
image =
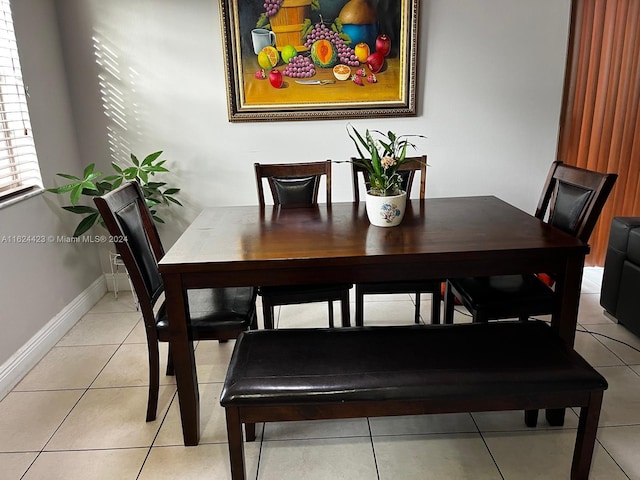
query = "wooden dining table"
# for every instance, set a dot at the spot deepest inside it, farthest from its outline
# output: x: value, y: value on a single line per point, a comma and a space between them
x: 438, y: 238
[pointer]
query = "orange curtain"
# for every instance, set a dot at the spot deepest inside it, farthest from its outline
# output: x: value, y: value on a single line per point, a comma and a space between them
x: 600, y: 117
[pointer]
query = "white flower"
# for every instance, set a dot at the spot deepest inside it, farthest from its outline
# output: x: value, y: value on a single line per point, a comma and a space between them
x: 387, y: 162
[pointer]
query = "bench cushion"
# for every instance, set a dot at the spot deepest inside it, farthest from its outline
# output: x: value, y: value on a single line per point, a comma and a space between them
x: 296, y: 366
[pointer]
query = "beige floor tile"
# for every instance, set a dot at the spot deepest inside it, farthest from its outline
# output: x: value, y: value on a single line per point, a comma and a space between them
x: 15, y: 464
x: 422, y: 424
x: 434, y: 457
x: 621, y: 403
x: 390, y: 313
x: 308, y: 315
x: 384, y: 297
x: 592, y: 280
x: 110, y: 304
x: 137, y: 334
x: 594, y: 351
x: 196, y: 463
x: 111, y: 418
x: 129, y: 367
x: 425, y: 309
x: 212, y: 360
x: 213, y: 427
x: 513, y: 420
x: 356, y: 427
x: 123, y: 464
x: 67, y: 368
x: 543, y: 455
x: 622, y: 443
x: 28, y: 419
x: 100, y: 329
x: 590, y: 311
x: 318, y: 459
x: 619, y: 341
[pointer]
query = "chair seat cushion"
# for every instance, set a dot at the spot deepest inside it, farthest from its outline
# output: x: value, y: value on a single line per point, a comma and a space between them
x: 294, y: 366
x: 505, y: 292
x: 227, y: 308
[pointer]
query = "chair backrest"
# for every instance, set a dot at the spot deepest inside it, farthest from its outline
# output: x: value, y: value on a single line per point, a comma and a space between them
x: 407, y: 171
x: 128, y: 220
x: 573, y: 198
x: 293, y: 183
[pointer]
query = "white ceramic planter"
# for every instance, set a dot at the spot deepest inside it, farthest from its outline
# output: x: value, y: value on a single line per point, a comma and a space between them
x: 386, y: 211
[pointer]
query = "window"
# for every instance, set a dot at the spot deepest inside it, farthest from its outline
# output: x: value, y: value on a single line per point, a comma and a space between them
x: 19, y: 170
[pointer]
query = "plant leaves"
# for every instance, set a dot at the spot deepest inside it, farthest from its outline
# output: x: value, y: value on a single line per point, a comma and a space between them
x: 149, y: 159
x: 80, y: 209
x: 86, y: 224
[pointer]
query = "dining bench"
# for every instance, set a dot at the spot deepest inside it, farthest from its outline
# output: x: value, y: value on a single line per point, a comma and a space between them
x: 309, y: 374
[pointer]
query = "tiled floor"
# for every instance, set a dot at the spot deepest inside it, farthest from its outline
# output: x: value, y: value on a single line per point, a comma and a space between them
x: 80, y: 415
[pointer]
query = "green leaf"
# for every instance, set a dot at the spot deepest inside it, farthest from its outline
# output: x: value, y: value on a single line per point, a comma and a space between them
x: 149, y: 159
x: 80, y: 209
x: 116, y: 167
x: 135, y: 161
x: 69, y: 177
x: 86, y: 224
x: 171, y: 199
x: 75, y: 194
x: 143, y: 176
x: 171, y: 191
x: 88, y: 170
x: 62, y: 189
x: 130, y: 173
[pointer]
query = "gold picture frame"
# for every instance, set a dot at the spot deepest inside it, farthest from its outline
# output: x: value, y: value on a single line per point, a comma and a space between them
x: 391, y: 94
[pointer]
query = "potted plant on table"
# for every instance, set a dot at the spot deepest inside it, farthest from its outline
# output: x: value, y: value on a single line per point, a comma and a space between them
x: 382, y: 155
x: 94, y: 184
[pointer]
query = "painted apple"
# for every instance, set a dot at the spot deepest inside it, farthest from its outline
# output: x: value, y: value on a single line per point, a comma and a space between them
x: 375, y: 62
x: 383, y: 44
x: 275, y: 77
x: 362, y: 51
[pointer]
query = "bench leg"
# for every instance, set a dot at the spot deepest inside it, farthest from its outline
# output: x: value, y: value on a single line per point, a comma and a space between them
x: 236, y: 448
x: 586, y: 437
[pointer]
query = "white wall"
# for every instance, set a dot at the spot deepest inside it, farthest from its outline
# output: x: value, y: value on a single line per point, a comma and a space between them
x: 40, y: 280
x: 490, y: 83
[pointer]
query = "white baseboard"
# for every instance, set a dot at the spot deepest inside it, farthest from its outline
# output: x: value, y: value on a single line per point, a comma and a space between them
x: 19, y: 364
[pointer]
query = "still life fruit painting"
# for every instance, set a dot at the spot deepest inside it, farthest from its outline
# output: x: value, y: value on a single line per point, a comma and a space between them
x: 290, y: 59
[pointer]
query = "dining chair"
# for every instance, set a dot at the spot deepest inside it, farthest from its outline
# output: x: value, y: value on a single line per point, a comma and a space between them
x: 298, y: 185
x: 214, y: 313
x: 571, y: 200
x: 407, y: 171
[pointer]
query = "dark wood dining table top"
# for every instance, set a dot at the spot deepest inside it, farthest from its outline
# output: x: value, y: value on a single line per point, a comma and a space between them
x: 448, y: 237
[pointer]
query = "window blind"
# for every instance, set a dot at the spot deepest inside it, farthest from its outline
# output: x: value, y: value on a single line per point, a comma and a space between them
x: 19, y: 170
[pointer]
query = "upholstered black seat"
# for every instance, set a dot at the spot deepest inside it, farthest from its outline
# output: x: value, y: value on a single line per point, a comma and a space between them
x: 294, y: 366
x: 297, y: 185
x: 214, y: 313
x: 407, y: 171
x: 571, y: 200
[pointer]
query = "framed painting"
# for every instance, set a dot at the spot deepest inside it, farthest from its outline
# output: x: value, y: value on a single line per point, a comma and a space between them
x: 319, y: 59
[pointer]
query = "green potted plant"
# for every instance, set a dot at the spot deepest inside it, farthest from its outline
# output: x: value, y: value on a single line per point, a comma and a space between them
x: 382, y: 155
x: 95, y: 183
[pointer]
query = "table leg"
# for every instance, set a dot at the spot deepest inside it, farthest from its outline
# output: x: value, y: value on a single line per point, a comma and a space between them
x: 183, y: 358
x: 565, y: 320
